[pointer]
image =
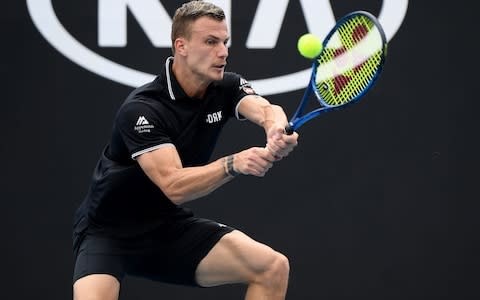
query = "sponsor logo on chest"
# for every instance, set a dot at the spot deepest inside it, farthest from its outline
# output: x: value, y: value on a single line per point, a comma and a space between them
x: 214, y: 117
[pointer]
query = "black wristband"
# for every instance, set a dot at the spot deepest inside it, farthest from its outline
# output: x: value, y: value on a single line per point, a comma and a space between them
x: 230, y: 171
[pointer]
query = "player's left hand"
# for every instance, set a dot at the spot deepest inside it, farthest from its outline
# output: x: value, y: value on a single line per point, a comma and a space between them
x: 279, y: 143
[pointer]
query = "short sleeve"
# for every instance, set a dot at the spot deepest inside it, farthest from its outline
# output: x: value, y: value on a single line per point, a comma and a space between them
x: 141, y: 128
x: 242, y: 88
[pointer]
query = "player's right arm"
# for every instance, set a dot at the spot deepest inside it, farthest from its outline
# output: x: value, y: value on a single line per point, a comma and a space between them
x: 182, y: 184
x: 144, y: 131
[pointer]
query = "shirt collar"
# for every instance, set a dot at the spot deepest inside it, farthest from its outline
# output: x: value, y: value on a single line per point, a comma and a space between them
x: 169, y: 75
x: 175, y: 90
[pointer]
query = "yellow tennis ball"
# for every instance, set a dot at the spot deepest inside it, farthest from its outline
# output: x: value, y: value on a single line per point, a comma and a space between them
x: 309, y: 45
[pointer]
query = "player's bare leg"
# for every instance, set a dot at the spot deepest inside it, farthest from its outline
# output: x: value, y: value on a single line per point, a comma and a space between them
x: 96, y: 286
x: 239, y: 259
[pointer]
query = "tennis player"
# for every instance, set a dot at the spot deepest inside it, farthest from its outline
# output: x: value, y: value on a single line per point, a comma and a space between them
x: 132, y: 221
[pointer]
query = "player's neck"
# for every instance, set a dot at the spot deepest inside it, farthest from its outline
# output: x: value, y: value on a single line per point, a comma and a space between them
x: 190, y: 83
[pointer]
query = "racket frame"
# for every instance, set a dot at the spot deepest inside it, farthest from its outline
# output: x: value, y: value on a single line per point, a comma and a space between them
x: 298, y: 119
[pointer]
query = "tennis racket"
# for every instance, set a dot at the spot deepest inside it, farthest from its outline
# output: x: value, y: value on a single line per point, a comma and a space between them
x: 348, y: 65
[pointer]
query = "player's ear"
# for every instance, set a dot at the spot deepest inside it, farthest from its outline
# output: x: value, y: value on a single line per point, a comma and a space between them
x: 181, y: 46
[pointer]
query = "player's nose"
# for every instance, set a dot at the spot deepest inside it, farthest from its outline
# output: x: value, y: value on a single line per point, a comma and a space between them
x: 223, y: 50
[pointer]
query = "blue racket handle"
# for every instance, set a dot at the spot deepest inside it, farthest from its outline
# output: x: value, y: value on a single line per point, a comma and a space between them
x: 289, y: 130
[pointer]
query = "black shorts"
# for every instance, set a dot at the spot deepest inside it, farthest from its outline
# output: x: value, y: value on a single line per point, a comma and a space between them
x: 169, y: 254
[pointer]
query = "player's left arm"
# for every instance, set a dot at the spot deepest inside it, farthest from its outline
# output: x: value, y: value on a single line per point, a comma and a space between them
x: 273, y: 119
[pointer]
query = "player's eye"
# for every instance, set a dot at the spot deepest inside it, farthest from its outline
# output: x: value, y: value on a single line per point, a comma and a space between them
x: 211, y: 42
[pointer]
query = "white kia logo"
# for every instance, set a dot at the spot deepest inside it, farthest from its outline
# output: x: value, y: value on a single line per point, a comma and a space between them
x: 151, y: 15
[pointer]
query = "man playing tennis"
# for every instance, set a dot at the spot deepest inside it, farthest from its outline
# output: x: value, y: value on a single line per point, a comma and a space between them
x: 132, y: 221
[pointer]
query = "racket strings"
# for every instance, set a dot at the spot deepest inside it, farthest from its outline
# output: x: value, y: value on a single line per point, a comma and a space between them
x: 347, y: 59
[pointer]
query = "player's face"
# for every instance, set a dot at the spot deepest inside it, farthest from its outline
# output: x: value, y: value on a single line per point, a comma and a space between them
x: 207, y: 49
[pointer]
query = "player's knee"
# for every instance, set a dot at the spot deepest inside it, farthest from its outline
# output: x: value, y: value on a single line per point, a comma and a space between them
x: 277, y: 271
x: 281, y: 266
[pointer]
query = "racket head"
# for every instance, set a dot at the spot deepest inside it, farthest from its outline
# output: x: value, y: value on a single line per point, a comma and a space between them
x: 352, y: 57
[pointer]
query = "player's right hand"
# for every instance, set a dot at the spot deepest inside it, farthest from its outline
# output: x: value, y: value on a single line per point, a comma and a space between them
x: 254, y: 161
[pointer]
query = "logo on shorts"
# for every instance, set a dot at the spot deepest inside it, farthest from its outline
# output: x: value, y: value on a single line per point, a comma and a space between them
x: 143, y: 125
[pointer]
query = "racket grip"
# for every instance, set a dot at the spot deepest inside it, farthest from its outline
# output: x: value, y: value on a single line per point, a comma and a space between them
x: 289, y: 130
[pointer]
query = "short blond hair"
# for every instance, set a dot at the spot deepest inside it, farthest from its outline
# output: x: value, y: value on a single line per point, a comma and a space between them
x: 186, y: 14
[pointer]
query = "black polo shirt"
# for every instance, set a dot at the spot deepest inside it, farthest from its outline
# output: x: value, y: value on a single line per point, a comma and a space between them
x: 122, y: 200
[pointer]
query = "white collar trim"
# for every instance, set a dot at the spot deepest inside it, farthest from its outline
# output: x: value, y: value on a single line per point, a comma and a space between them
x: 167, y: 72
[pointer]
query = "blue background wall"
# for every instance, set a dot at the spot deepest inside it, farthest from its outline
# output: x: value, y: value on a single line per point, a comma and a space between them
x: 379, y: 201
